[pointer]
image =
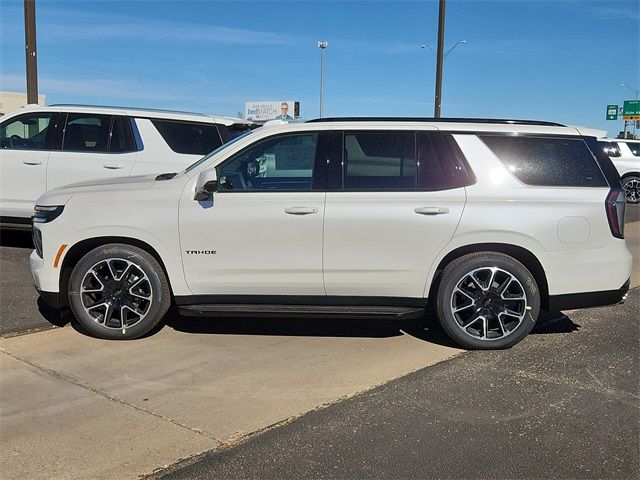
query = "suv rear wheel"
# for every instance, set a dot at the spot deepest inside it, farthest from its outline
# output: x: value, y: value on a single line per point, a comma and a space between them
x: 118, y: 291
x: 487, y: 300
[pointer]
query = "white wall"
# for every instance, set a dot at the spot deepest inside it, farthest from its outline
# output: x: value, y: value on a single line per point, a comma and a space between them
x: 11, y: 101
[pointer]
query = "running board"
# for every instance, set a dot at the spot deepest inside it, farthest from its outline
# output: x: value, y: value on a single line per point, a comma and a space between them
x: 248, y: 310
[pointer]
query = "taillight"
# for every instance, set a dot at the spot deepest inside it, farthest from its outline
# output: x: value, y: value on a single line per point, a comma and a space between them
x: 615, y: 206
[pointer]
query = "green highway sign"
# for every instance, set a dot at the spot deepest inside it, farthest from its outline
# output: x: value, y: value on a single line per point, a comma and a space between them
x: 631, y: 110
x: 612, y: 112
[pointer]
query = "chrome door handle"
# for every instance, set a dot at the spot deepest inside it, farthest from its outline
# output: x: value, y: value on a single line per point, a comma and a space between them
x: 32, y: 162
x: 111, y: 166
x: 300, y: 210
x: 431, y: 210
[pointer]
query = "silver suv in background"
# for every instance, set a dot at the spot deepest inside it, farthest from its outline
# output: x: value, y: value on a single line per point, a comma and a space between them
x: 47, y: 147
x: 625, y: 155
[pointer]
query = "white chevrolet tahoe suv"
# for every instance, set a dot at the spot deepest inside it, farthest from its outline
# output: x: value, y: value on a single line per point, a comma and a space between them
x: 42, y: 148
x: 625, y: 155
x: 487, y: 221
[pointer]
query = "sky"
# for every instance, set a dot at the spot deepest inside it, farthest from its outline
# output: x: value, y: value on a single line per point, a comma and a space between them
x: 560, y: 60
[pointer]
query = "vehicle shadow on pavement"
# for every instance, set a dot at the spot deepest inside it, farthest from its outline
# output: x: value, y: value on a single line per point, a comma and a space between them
x: 56, y: 317
x: 554, y: 322
x: 288, y: 326
x: 425, y: 328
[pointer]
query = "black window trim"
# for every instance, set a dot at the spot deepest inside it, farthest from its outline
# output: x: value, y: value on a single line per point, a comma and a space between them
x: 318, y: 173
x: 135, y: 132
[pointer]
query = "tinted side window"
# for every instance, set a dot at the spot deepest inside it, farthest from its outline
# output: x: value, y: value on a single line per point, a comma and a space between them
x: 547, y: 161
x: 379, y: 161
x: 284, y: 162
x: 27, y: 132
x: 440, y: 163
x: 87, y: 133
x: 634, y: 147
x: 611, y: 149
x: 187, y: 137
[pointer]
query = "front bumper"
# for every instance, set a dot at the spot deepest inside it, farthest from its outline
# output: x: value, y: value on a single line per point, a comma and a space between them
x: 45, y: 281
x: 571, y: 301
x: 50, y: 298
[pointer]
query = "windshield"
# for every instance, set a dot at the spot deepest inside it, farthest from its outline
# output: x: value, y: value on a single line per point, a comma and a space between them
x: 217, y: 150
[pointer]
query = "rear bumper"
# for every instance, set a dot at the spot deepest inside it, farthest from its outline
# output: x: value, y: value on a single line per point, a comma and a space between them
x: 571, y: 301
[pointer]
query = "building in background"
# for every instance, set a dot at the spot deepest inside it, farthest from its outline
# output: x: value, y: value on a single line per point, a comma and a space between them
x: 12, y: 101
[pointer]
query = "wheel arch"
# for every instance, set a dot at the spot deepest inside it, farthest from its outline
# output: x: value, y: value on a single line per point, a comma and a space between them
x: 521, y: 254
x: 630, y: 174
x: 78, y: 250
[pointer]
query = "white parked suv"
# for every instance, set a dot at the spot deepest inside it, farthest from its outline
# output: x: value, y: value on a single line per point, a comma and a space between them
x: 42, y: 148
x: 625, y: 155
x: 488, y: 221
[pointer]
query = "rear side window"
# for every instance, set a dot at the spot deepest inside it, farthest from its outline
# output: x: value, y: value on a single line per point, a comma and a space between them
x: 87, y: 133
x: 611, y: 149
x: 547, y: 161
x: 379, y: 160
x: 441, y: 165
x: 188, y: 137
x: 402, y: 161
x: 634, y: 147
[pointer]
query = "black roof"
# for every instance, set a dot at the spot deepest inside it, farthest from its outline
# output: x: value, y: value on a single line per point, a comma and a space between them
x: 439, y: 120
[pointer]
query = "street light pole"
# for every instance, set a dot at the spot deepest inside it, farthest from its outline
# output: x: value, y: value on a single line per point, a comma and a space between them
x: 322, y: 46
x: 448, y: 52
x: 438, y: 96
x: 30, y: 49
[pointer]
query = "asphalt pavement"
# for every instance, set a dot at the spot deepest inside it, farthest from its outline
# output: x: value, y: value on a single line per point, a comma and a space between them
x: 564, y: 403
x: 21, y: 310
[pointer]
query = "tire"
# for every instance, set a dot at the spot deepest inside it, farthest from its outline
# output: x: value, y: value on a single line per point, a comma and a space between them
x: 631, y: 184
x: 118, y: 291
x: 487, y: 300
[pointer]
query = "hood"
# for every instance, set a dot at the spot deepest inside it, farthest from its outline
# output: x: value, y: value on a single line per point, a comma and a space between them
x: 61, y: 195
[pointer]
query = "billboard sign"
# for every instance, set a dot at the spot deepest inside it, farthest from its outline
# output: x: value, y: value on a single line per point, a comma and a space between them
x: 264, y: 111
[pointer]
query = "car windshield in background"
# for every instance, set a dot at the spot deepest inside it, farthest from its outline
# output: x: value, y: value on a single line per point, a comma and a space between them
x: 217, y: 150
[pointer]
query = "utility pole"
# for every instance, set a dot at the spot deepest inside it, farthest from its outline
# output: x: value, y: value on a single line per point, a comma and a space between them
x: 439, y: 61
x: 30, y: 48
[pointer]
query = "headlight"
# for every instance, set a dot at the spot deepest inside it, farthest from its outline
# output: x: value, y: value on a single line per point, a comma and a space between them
x: 46, y: 214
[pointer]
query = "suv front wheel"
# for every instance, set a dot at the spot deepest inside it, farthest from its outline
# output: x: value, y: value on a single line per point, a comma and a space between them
x: 487, y: 300
x: 118, y: 291
x: 631, y: 184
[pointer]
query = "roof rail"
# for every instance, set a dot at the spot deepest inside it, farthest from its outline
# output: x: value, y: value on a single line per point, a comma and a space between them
x: 431, y: 119
x: 141, y: 109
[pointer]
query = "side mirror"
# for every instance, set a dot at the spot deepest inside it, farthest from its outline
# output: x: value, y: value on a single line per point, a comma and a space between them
x: 206, y: 185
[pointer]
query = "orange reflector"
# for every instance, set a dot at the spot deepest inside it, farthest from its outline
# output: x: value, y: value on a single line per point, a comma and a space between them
x: 58, y: 255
